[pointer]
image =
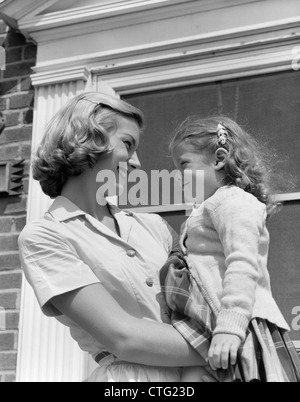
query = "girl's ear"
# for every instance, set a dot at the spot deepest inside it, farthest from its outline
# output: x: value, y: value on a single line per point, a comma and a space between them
x: 221, y: 155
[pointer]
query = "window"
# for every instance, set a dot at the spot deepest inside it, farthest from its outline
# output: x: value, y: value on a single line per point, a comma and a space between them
x: 268, y: 106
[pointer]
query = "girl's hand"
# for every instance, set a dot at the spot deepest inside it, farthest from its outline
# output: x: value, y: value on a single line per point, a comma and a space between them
x: 223, y: 351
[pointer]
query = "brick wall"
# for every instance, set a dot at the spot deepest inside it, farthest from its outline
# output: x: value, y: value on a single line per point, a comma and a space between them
x: 16, y: 105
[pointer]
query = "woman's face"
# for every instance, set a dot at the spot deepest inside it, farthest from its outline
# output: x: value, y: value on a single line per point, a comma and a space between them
x: 124, y: 140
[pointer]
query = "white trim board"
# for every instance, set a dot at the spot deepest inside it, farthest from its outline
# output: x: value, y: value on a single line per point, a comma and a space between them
x: 248, y: 37
x: 160, y: 209
x: 287, y: 197
x: 297, y: 345
x: 111, y: 11
x: 183, y: 207
x: 176, y: 68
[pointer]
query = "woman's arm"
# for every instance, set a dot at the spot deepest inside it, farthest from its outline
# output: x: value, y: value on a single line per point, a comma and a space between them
x: 130, y: 339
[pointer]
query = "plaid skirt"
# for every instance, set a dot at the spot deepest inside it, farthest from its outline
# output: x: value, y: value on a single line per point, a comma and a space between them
x: 267, y: 354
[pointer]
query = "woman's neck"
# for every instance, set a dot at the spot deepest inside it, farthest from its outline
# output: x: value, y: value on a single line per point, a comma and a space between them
x: 82, y: 191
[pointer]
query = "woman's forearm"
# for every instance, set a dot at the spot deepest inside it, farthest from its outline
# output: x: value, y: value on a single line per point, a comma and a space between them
x: 156, y: 344
x: 131, y: 339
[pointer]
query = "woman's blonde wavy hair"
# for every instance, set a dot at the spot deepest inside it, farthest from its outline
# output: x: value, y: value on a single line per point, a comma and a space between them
x: 247, y: 165
x: 77, y: 136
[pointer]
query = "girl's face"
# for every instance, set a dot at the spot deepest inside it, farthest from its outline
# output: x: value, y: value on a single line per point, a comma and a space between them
x: 195, y: 166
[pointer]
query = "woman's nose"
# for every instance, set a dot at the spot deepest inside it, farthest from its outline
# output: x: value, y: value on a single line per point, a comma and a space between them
x: 134, y: 162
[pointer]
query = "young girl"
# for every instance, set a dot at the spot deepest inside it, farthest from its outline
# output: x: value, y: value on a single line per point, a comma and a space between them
x: 222, y: 303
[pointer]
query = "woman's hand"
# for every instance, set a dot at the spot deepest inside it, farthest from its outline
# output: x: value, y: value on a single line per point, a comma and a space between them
x: 223, y: 351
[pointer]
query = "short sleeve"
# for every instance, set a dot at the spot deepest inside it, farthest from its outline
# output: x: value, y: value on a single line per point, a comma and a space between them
x: 51, y: 266
x: 171, y: 236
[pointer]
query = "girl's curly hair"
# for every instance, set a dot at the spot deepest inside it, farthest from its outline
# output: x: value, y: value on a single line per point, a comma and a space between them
x: 248, y: 164
x: 77, y: 136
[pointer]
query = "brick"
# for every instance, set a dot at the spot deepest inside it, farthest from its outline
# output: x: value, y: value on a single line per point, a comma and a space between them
x: 18, y: 134
x: 7, y: 87
x: 20, y: 222
x: 12, y: 119
x: 12, y: 320
x: 14, y: 39
x: 6, y: 224
x: 8, y: 242
x: 9, y: 378
x: 12, y: 224
x: 7, y: 341
x: 3, y: 104
x: 10, y: 300
x: 8, y: 360
x: 28, y: 116
x: 27, y: 166
x: 21, y: 101
x: 12, y: 280
x: 26, y: 151
x: 9, y: 152
x: 9, y: 260
x: 18, y: 70
x: 14, y: 55
x: 16, y: 205
x: 30, y: 52
x: 26, y: 84
x: 25, y: 186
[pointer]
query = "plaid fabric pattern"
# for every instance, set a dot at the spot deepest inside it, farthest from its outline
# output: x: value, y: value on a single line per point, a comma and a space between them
x: 190, y: 314
x: 267, y: 355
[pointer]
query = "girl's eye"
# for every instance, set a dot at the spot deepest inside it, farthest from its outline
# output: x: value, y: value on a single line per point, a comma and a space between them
x: 128, y: 144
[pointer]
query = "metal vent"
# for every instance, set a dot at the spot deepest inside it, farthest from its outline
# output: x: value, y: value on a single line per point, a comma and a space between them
x: 11, y: 177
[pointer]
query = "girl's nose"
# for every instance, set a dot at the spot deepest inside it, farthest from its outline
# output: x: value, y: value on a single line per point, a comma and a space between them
x: 134, y: 162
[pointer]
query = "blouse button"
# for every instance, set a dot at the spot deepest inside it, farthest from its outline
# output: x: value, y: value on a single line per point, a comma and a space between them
x: 131, y: 253
x: 150, y: 282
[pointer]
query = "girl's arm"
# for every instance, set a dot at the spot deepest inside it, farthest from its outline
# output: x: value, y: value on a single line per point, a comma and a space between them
x: 239, y: 222
x: 130, y: 339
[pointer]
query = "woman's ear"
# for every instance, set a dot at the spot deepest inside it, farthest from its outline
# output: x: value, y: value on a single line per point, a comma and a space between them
x: 221, y: 155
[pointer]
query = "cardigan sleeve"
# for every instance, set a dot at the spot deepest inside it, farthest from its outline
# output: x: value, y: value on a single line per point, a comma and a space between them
x: 239, y: 222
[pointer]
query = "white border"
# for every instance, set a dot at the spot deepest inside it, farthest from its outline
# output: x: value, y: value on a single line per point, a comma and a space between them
x: 138, y: 70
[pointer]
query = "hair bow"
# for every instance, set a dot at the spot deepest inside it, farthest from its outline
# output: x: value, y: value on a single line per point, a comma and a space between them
x: 222, y: 134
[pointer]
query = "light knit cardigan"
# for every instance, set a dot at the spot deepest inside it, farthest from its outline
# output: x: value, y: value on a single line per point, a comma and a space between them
x: 226, y: 244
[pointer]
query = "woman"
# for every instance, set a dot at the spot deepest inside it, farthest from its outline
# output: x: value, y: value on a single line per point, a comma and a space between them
x: 93, y: 267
